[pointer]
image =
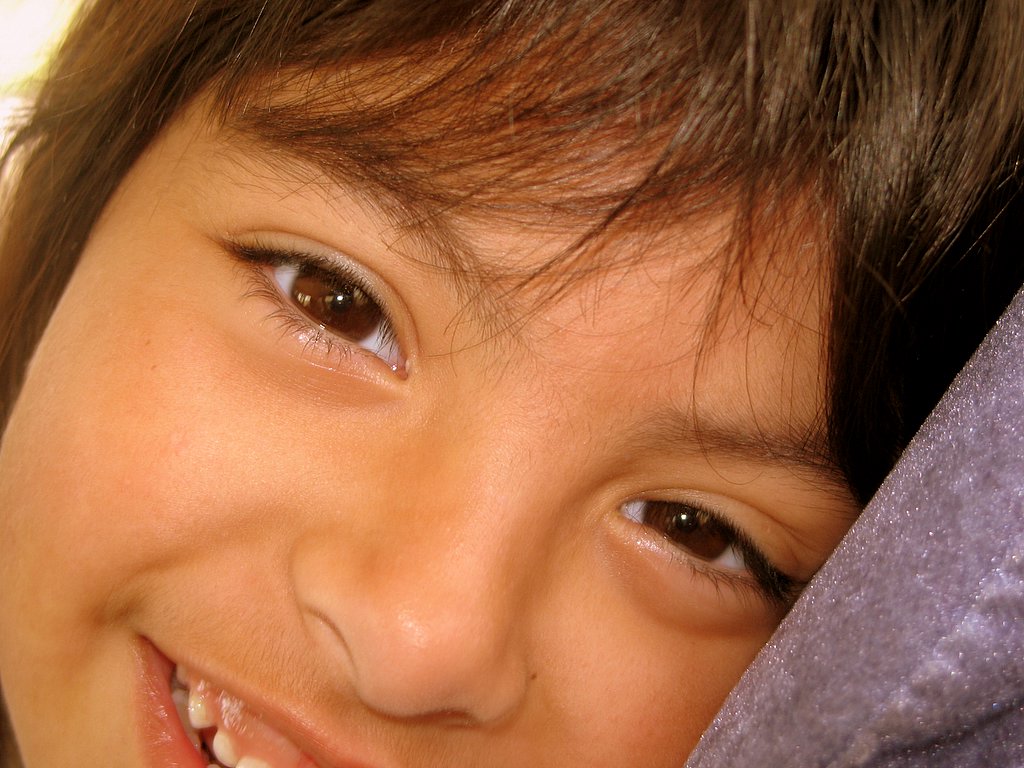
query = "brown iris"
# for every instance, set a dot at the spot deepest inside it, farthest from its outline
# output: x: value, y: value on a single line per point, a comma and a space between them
x: 336, y: 304
x: 690, y: 527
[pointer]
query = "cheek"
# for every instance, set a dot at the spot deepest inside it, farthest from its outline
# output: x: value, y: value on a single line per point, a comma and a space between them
x: 110, y: 443
x: 140, y: 422
x: 635, y: 701
x: 78, y: 447
x: 627, y: 685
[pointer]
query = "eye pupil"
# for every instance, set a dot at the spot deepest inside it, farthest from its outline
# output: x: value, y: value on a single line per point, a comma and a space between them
x: 683, y: 522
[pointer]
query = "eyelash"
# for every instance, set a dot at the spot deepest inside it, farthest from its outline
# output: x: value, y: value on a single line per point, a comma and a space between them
x: 759, y: 576
x: 327, y: 343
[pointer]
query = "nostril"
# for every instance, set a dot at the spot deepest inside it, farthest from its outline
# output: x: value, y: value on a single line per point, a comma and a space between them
x: 325, y: 635
x: 452, y: 719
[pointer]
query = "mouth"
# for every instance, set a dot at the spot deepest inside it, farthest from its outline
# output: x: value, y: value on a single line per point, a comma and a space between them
x: 191, y: 719
x: 223, y: 730
x: 191, y: 723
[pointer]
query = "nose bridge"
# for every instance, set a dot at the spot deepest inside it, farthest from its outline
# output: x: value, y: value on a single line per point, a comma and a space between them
x: 430, y: 599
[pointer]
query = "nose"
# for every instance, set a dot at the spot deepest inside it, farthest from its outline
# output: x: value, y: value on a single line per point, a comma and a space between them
x: 423, y: 598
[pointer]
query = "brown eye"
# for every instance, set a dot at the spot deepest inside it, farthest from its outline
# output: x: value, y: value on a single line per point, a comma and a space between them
x: 724, y: 552
x: 340, y: 305
x: 690, y: 528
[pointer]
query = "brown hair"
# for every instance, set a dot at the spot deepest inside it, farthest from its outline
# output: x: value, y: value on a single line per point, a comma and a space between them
x: 897, y: 125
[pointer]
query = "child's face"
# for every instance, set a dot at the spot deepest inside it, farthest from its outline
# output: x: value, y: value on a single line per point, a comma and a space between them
x: 434, y: 552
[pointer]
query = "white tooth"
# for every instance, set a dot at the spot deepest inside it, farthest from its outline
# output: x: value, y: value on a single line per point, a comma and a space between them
x: 181, y: 704
x: 199, y: 715
x: 224, y: 749
x: 252, y: 762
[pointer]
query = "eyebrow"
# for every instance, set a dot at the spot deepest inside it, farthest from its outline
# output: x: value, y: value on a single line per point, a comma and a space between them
x: 428, y: 225
x: 424, y: 221
x: 802, y: 450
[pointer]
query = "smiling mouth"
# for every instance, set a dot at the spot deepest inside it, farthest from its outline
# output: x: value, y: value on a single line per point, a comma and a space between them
x: 225, y: 733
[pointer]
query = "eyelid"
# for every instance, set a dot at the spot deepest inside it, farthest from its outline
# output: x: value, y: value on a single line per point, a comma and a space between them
x: 262, y: 248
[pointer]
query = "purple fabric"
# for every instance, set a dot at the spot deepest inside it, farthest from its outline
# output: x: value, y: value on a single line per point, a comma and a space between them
x: 908, y: 647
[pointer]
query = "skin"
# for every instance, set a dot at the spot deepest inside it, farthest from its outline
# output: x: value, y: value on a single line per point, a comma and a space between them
x: 427, y: 567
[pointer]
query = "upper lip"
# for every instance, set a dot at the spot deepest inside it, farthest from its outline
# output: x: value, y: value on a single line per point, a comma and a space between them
x: 329, y: 748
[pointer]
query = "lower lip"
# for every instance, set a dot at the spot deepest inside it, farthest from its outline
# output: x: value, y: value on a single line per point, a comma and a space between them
x: 165, y: 744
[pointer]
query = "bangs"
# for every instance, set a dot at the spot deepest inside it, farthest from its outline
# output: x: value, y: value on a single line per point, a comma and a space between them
x: 473, y: 120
